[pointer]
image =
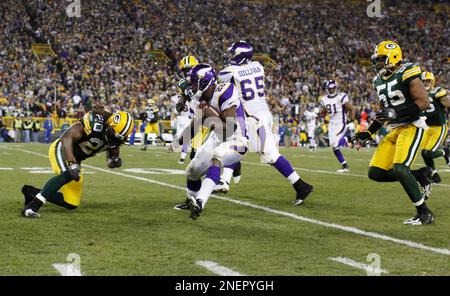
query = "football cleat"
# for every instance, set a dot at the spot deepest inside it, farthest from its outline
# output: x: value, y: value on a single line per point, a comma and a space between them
x: 436, y: 178
x: 343, y: 170
x: 447, y: 155
x: 181, y: 161
x: 303, y: 189
x: 222, y: 187
x: 196, y: 207
x: 420, y: 219
x: 237, y: 179
x: 182, y: 206
x: 29, y: 193
x: 29, y: 213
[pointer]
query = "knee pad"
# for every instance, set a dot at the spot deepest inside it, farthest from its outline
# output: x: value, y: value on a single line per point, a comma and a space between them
x: 192, y: 172
x: 271, y: 158
x: 427, y: 154
x: 375, y: 174
x: 400, y: 170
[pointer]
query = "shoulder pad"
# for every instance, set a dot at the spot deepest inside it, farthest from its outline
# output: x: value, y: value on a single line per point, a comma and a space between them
x: 439, y: 92
x: 410, y: 70
x: 92, y: 122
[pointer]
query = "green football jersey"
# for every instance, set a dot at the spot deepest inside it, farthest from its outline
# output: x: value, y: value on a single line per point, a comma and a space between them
x: 93, y: 139
x: 436, y: 114
x: 393, y: 92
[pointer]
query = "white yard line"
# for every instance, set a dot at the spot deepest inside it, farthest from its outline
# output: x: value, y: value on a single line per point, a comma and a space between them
x: 218, y: 269
x: 358, y: 265
x: 326, y: 172
x: 353, y: 230
x: 6, y: 169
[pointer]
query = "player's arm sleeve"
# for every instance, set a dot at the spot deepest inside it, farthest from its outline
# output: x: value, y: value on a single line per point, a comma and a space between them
x: 225, y: 76
x: 228, y: 98
x: 442, y: 92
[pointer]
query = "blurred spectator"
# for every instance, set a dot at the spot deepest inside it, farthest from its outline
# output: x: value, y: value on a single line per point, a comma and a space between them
x: 48, y: 126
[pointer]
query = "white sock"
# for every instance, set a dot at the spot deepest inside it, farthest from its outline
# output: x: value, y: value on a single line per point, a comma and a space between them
x: 183, y: 155
x: 294, y: 177
x: 205, y: 191
x: 227, y: 173
x: 41, y: 198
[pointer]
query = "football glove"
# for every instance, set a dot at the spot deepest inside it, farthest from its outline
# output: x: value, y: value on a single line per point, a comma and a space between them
x: 387, y: 114
x: 74, y: 171
x: 114, y: 162
x: 181, y: 104
x: 360, y: 139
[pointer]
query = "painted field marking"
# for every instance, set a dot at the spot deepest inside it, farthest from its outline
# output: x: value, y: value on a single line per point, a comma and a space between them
x: 67, y: 269
x: 218, y: 269
x: 358, y: 265
x: 350, y: 229
x: 6, y: 169
x: 327, y: 172
x: 73, y: 268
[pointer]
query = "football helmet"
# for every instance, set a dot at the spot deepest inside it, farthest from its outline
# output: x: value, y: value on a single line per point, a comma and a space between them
x: 310, y: 107
x: 239, y: 53
x: 118, y: 126
x: 428, y: 80
x: 202, y: 76
x: 186, y: 64
x: 331, y: 87
x: 386, y: 57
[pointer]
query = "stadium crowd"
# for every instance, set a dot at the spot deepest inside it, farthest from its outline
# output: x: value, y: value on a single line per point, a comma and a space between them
x: 102, y: 54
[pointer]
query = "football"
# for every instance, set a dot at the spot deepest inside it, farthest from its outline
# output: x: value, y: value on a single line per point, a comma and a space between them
x: 208, y: 111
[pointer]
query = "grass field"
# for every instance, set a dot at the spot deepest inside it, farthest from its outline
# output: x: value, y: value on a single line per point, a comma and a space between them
x: 126, y: 225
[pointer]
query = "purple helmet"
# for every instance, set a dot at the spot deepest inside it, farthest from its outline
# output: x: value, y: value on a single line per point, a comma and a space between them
x: 202, y: 76
x: 331, y: 87
x: 240, y: 53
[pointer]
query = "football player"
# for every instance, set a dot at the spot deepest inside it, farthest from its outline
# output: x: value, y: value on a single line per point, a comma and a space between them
x: 150, y: 118
x: 336, y: 105
x: 183, y: 119
x: 402, y: 97
x: 229, y: 141
x: 97, y: 131
x: 310, y: 116
x: 435, y: 136
x: 248, y: 78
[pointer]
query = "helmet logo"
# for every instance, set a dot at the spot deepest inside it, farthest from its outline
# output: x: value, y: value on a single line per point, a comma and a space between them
x: 116, y: 118
x: 391, y: 46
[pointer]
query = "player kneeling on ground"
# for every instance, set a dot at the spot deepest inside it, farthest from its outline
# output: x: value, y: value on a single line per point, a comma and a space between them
x: 97, y: 131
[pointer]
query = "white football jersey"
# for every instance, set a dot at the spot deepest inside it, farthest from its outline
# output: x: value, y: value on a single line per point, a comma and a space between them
x: 311, y: 117
x: 335, y: 107
x: 249, y: 82
x: 187, y: 112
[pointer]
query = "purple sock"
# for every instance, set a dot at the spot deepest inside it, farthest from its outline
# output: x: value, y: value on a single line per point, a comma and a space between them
x: 339, y: 155
x: 283, y: 166
x: 343, y: 142
x: 193, y: 185
x: 213, y: 173
x: 184, y: 148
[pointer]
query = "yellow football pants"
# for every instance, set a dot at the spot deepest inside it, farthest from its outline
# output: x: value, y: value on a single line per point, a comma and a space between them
x: 399, y: 146
x: 200, y: 137
x: 72, y: 190
x: 434, y: 137
x: 152, y: 128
